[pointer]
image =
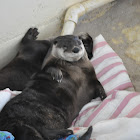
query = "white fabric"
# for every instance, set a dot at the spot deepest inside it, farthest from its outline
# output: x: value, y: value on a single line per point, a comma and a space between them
x: 6, y: 95
x: 117, y: 129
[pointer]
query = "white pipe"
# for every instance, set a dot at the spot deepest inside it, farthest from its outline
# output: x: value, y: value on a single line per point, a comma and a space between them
x: 78, y: 10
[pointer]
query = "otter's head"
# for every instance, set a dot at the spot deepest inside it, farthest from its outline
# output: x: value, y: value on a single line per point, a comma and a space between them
x: 68, y: 47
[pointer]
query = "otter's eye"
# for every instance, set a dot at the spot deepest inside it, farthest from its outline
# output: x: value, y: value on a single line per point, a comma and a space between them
x: 55, y: 42
x: 65, y: 47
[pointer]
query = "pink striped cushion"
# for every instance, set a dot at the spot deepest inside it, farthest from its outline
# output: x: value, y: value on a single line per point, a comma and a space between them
x: 113, y: 76
x: 118, y: 104
x: 109, y: 67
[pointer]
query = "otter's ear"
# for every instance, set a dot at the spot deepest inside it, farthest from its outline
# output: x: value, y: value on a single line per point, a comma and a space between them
x: 88, y: 43
x: 54, y: 42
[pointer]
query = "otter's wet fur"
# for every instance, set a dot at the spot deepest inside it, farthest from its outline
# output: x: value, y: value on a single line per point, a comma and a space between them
x: 54, y: 95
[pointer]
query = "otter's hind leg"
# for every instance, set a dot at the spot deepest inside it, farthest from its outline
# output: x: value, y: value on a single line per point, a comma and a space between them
x: 88, y: 43
x: 30, y: 35
x: 100, y: 92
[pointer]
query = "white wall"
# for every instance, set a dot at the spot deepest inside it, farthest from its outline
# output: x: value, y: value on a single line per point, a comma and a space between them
x: 16, y: 16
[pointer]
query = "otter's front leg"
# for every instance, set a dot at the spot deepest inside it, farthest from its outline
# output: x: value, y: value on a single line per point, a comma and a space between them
x: 56, y: 73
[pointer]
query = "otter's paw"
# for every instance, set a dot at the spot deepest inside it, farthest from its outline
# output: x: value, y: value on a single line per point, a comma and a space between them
x: 30, y: 35
x: 55, y: 73
x: 100, y: 91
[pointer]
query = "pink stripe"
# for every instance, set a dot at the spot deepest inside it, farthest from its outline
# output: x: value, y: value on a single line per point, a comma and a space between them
x: 123, y: 104
x: 102, y: 58
x: 83, y: 113
x: 112, y: 77
x: 106, y: 69
x: 100, y: 44
x: 120, y: 87
x: 93, y: 115
x: 134, y: 112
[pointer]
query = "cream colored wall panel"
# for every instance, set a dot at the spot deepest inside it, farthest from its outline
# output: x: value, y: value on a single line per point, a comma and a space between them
x: 19, y: 15
x: 69, y: 3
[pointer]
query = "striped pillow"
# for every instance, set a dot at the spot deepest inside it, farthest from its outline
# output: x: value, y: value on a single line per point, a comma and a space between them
x: 109, y: 67
x: 118, y: 104
x: 113, y: 76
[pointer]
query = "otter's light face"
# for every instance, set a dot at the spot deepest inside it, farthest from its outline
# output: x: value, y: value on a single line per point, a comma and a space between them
x: 69, y: 48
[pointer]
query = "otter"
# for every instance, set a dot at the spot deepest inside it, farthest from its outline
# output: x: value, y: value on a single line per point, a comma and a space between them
x: 54, y: 96
x: 28, y: 61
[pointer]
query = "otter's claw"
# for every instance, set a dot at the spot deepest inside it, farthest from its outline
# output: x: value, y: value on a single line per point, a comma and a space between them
x: 56, y: 74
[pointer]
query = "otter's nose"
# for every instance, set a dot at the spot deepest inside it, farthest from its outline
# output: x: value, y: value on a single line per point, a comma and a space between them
x: 75, y: 50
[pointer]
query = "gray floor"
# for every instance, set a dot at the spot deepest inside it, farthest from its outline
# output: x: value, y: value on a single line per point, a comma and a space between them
x: 119, y: 23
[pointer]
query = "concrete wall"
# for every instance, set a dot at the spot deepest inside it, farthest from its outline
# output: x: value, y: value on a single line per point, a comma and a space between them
x: 19, y: 15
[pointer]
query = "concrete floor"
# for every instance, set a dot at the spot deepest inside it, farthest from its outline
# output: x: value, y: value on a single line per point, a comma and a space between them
x: 119, y: 23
